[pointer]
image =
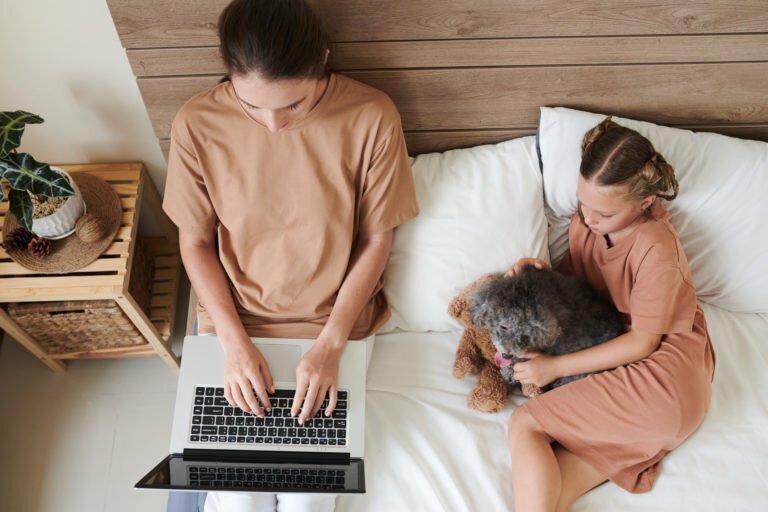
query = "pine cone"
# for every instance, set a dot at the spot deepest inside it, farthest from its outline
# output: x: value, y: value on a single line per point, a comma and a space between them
x: 17, y: 240
x: 39, y: 247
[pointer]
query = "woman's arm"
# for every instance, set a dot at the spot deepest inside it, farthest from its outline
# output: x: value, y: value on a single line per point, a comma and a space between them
x: 318, y: 371
x: 245, y: 368
x: 542, y: 369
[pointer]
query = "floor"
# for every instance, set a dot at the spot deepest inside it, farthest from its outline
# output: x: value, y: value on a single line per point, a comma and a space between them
x: 78, y: 441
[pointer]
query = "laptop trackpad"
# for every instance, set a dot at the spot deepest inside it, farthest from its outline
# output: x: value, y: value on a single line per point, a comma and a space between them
x: 282, y: 360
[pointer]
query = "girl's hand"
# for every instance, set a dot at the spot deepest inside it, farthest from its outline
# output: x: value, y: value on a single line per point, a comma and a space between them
x: 525, y: 262
x: 317, y: 375
x: 540, y: 369
x: 246, y: 370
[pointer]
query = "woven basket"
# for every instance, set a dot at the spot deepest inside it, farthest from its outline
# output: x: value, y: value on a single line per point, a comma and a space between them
x: 64, y: 327
x: 77, y: 326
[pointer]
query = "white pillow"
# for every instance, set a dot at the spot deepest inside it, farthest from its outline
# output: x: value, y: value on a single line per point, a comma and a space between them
x: 481, y: 210
x: 719, y: 212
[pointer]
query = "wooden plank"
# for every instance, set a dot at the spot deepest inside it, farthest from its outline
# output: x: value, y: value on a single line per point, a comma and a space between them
x: 147, y: 329
x: 481, y: 53
x: 128, y: 203
x: 98, y: 265
x: 124, y: 233
x: 15, y: 331
x: 429, y: 141
x: 119, y: 171
x: 68, y: 287
x: 178, y: 23
x: 120, y: 248
x: 501, y: 98
x: 106, y: 353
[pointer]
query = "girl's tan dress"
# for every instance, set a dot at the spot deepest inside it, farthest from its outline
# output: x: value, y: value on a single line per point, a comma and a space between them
x: 623, y: 421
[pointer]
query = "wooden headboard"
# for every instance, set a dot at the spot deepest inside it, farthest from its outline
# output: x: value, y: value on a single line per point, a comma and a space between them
x: 466, y: 72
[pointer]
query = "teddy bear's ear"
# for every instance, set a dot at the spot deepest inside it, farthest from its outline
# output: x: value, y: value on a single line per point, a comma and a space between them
x: 457, y: 306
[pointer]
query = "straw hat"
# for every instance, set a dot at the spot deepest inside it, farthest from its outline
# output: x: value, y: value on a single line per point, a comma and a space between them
x: 72, y: 253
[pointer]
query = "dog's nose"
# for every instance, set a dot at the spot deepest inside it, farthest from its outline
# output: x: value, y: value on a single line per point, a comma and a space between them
x: 507, y: 356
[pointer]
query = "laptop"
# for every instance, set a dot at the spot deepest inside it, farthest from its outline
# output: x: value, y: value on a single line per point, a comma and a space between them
x: 217, y: 447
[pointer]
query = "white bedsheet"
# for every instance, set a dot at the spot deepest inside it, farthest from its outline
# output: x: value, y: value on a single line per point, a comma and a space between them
x: 427, y: 451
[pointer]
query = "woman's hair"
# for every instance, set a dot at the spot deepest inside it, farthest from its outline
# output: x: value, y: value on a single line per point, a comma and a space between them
x: 279, y: 39
x: 614, y: 155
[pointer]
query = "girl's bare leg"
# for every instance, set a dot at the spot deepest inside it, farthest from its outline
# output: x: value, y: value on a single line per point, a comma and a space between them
x: 536, y: 478
x: 576, y: 476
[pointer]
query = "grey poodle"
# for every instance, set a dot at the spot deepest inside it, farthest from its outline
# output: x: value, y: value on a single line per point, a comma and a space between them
x: 544, y: 311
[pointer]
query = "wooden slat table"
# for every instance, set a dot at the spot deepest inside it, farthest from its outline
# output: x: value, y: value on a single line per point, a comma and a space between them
x: 108, y: 276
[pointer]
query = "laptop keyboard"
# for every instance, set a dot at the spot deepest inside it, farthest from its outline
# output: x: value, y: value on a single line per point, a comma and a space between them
x: 270, y: 478
x: 215, y: 421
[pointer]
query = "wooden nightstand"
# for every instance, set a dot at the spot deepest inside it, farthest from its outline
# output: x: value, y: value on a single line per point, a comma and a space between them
x: 109, y: 276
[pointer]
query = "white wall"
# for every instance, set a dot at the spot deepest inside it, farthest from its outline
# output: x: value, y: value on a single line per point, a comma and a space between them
x: 62, y: 60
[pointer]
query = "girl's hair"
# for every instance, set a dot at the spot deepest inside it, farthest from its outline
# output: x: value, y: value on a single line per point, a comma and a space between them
x: 614, y: 155
x: 279, y: 39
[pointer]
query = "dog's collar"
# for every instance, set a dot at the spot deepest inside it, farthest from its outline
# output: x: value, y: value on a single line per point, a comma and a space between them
x: 500, y: 361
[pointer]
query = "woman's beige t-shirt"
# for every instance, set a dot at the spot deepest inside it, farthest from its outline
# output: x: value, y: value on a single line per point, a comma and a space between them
x: 288, y: 207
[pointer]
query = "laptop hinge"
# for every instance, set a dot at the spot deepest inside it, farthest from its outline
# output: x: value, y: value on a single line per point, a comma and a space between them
x: 267, y: 456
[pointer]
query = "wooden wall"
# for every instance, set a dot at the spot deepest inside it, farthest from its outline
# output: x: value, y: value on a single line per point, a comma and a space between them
x: 465, y: 72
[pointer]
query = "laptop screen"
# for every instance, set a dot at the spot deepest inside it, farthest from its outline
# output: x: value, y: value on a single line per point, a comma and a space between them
x: 181, y: 472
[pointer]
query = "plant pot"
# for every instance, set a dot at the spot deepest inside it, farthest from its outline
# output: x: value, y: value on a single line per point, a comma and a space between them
x: 61, y: 223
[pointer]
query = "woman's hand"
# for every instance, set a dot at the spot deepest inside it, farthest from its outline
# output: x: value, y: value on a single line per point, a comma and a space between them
x: 540, y: 369
x: 525, y: 262
x: 246, y: 370
x: 317, y: 375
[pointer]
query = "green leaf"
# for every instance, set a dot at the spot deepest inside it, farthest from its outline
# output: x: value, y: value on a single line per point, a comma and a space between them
x: 21, y: 207
x: 12, y: 128
x: 24, y: 173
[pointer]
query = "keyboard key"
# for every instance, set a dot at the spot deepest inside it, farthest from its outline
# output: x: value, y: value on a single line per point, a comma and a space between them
x: 209, y: 420
x: 209, y: 430
x: 220, y: 400
x: 342, y: 395
x: 199, y: 400
x: 340, y: 423
x: 194, y: 439
x: 342, y: 404
x: 213, y: 411
x: 339, y: 414
x: 219, y: 392
x: 208, y: 400
x: 199, y: 391
x: 208, y: 391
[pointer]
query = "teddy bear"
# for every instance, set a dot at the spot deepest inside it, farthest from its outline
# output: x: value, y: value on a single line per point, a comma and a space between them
x: 477, y: 354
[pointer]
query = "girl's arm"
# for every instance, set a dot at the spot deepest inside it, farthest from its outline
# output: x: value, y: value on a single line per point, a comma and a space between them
x: 318, y: 372
x: 631, y: 346
x: 542, y: 369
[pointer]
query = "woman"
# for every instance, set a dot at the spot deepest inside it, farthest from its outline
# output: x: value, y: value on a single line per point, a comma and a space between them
x: 285, y: 182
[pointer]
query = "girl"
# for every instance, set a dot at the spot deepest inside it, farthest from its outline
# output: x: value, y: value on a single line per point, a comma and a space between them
x: 619, y: 424
x: 285, y: 182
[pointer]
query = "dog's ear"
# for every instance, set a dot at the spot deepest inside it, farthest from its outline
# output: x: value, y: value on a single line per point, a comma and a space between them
x: 478, y: 304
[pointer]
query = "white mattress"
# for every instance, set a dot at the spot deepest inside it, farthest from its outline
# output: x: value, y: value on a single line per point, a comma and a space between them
x: 427, y: 451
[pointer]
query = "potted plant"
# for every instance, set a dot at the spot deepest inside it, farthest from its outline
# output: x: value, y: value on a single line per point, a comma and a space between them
x: 44, y: 199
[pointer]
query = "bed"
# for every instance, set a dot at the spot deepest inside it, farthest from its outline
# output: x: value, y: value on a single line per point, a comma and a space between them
x: 470, y: 74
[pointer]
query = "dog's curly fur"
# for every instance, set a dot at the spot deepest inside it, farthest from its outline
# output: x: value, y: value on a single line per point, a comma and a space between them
x: 544, y: 311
